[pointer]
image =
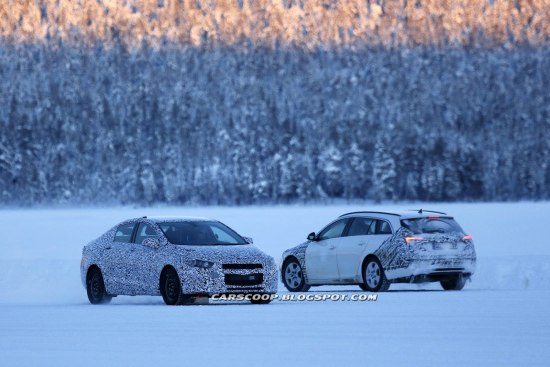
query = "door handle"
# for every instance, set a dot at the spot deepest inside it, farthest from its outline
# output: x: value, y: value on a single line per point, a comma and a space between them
x: 360, y: 244
x: 332, y: 247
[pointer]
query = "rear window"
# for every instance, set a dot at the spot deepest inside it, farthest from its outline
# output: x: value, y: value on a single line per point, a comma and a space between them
x: 124, y: 232
x: 431, y: 225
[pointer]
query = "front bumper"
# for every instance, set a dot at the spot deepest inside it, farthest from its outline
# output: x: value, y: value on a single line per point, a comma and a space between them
x: 427, y: 270
x: 221, y: 279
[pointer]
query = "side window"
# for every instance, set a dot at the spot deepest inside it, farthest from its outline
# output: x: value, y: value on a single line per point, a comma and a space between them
x: 124, y: 232
x: 145, y: 231
x: 382, y: 227
x: 360, y: 226
x: 334, y: 230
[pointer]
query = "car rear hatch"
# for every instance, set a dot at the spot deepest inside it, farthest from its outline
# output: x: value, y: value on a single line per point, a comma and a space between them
x: 436, y: 237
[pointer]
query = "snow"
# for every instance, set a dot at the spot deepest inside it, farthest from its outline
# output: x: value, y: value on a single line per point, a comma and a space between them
x: 500, y: 317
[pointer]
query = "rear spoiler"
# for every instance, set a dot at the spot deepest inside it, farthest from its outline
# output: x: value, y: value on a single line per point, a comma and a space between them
x: 420, y: 211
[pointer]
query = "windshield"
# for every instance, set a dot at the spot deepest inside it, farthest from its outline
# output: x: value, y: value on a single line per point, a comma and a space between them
x: 200, y: 233
x: 431, y: 225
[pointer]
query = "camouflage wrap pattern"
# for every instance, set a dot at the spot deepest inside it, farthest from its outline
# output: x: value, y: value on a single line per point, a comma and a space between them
x: 135, y: 269
x: 299, y: 252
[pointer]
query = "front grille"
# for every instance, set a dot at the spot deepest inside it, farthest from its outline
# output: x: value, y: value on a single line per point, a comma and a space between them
x: 244, y: 279
x: 241, y: 266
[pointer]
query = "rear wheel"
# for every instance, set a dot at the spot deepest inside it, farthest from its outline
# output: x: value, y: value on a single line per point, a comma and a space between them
x: 95, y: 287
x: 293, y: 276
x: 170, y: 288
x: 374, y: 279
x: 454, y: 284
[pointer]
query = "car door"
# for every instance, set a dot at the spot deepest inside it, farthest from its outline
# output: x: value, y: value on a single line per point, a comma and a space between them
x: 321, y: 257
x: 141, y: 260
x: 351, y: 248
x: 380, y: 231
x: 113, y: 263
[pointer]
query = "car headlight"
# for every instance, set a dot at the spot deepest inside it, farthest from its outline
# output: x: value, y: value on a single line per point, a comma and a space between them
x: 200, y: 264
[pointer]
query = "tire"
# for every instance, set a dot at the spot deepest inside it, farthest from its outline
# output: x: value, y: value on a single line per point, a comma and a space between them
x: 454, y: 284
x: 95, y: 287
x: 293, y: 276
x: 261, y: 301
x: 374, y: 278
x: 170, y: 288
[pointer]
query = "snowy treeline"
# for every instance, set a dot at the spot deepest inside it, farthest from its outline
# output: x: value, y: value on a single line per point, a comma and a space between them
x: 178, y: 125
x: 304, y: 23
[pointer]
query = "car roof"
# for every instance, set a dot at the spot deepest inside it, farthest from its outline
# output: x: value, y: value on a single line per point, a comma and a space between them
x: 402, y: 214
x: 160, y: 219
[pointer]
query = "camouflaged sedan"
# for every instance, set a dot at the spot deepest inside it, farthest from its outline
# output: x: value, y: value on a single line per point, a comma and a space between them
x: 176, y: 258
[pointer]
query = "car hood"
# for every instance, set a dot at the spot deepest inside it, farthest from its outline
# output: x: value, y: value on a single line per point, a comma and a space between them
x: 224, y: 253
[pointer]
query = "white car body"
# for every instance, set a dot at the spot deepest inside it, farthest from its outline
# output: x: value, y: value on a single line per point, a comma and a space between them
x: 428, y: 257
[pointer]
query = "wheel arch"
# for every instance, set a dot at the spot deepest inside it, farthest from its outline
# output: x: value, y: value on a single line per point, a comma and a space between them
x: 366, y: 259
x: 91, y: 267
x: 108, y: 295
x: 301, y: 262
x: 163, y: 274
x: 291, y: 257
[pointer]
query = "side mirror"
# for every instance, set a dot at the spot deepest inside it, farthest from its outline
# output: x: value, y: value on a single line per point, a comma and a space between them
x: 152, y: 242
x: 312, y: 236
x: 248, y: 240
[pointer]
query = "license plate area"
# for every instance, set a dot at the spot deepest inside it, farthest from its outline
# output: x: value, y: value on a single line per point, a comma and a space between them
x: 244, y: 279
x: 447, y: 264
x: 444, y: 246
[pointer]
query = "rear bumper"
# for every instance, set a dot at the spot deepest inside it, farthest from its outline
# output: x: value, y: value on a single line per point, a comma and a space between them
x: 432, y: 270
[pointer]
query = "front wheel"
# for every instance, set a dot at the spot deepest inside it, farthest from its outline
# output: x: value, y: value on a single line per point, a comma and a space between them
x: 454, y: 284
x: 374, y: 279
x: 170, y: 288
x: 293, y: 276
x: 95, y: 287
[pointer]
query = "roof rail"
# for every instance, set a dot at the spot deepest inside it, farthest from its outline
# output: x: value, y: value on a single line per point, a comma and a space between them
x: 420, y: 211
x: 367, y: 212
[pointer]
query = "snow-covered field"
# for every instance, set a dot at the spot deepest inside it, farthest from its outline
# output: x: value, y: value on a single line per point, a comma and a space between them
x: 501, y: 318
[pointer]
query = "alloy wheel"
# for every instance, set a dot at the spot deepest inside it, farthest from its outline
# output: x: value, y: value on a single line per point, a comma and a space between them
x: 293, y: 275
x: 373, y: 275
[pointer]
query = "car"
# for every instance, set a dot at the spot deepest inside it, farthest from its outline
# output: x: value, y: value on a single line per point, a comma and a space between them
x: 374, y: 249
x: 177, y: 258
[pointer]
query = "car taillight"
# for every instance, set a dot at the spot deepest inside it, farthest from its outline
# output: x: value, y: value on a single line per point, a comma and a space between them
x: 409, y: 239
x: 467, y: 237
